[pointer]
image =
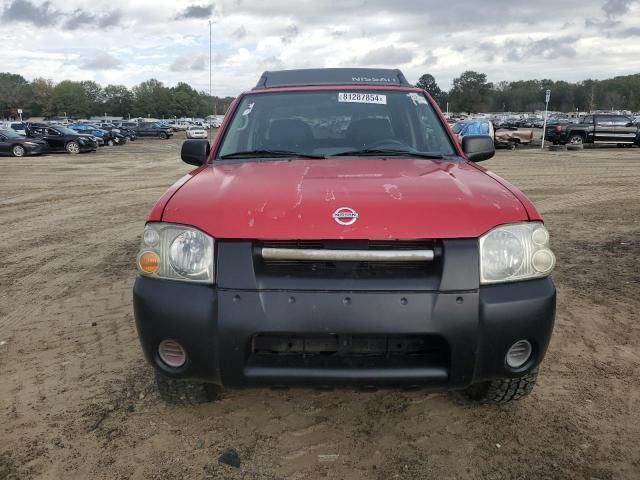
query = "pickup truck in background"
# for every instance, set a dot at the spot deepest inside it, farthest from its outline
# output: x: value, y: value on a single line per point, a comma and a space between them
x: 603, y: 129
x: 147, y: 129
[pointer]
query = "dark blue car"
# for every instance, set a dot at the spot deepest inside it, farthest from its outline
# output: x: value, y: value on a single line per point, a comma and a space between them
x: 109, y: 138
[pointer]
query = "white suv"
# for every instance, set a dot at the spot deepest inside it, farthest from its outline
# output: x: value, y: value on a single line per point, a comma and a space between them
x: 195, y: 131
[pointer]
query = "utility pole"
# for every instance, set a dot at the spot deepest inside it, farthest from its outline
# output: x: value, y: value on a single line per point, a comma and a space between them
x: 213, y: 103
x: 547, y: 97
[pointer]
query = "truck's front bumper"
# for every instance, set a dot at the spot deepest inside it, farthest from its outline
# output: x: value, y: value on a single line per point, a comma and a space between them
x: 470, y: 331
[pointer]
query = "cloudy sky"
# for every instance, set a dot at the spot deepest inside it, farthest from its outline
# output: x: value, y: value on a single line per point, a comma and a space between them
x: 126, y: 42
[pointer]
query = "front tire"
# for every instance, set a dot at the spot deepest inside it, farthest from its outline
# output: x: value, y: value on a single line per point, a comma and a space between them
x: 110, y: 143
x: 73, y: 148
x: 18, y: 151
x: 576, y: 139
x: 502, y: 390
x: 186, y: 392
x: 164, y: 136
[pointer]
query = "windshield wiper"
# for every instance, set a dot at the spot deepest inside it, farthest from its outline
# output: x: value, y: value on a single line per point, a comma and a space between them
x: 390, y: 152
x: 268, y: 153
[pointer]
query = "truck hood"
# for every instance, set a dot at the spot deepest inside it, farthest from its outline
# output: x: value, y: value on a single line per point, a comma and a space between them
x: 396, y: 198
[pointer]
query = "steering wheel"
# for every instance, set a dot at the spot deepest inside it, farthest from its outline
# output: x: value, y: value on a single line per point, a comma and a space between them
x: 386, y: 141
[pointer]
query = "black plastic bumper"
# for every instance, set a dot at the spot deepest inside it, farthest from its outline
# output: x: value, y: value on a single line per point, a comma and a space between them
x: 217, y: 328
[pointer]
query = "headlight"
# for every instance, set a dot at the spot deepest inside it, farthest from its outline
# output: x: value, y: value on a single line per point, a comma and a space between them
x: 515, y: 252
x: 176, y: 252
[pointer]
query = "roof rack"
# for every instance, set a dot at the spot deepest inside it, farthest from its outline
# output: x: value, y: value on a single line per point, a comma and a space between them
x: 332, y: 76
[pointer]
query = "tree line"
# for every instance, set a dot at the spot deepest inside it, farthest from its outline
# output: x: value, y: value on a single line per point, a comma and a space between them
x: 42, y: 98
x: 471, y: 92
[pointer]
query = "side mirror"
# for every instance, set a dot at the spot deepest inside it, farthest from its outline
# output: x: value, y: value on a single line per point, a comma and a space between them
x: 195, y: 152
x: 478, y: 147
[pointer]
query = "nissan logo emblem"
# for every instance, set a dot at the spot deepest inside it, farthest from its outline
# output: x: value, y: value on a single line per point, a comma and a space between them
x: 345, y: 216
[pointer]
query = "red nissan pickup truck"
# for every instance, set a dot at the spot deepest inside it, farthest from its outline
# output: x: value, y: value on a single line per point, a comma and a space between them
x: 336, y: 233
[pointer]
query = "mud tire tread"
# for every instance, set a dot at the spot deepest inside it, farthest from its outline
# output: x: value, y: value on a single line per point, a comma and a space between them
x: 502, y: 390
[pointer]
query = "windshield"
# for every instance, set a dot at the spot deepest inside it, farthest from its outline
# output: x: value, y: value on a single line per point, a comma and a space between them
x: 326, y: 123
x: 65, y: 130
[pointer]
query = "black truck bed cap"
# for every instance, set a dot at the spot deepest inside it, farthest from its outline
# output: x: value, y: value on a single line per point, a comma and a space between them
x: 332, y: 76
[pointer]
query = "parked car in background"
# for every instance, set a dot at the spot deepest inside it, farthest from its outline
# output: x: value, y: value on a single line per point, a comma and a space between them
x: 18, y: 127
x: 598, y: 128
x: 130, y: 125
x: 473, y: 127
x: 108, y: 137
x: 125, y: 132
x: 61, y: 139
x: 145, y: 129
x: 128, y: 133
x: 181, y: 125
x: 108, y: 126
x: 18, y: 145
x: 196, y: 132
x: 512, y: 138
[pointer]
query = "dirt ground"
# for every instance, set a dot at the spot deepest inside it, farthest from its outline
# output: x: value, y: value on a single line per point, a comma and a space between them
x: 77, y: 400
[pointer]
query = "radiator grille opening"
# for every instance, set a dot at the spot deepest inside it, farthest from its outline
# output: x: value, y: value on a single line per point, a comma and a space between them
x: 330, y: 350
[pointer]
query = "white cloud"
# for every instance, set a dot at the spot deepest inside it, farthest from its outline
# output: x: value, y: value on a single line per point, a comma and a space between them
x: 129, y: 42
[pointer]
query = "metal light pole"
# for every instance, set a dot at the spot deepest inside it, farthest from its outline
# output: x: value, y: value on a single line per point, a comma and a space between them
x: 547, y: 97
x: 213, y: 103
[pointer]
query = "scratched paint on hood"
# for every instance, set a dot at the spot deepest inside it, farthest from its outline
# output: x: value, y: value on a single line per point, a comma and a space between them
x: 394, y: 198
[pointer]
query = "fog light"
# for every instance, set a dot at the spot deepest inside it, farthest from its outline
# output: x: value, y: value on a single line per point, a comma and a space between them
x: 172, y: 353
x: 519, y: 354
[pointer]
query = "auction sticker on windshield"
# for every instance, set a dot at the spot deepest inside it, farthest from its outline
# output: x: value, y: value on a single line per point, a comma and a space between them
x: 354, y: 97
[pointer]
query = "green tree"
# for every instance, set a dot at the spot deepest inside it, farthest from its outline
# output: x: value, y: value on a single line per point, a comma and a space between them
x: 14, y: 92
x: 151, y: 98
x: 117, y: 99
x: 184, y: 100
x: 428, y: 82
x: 471, y: 92
x: 94, y: 95
x: 70, y: 97
x: 41, y: 99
